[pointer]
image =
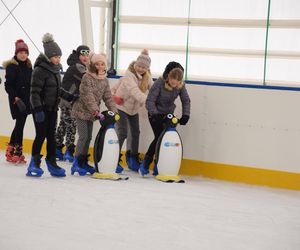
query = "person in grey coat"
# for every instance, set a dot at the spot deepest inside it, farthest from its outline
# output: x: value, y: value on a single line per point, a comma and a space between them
x: 160, y: 102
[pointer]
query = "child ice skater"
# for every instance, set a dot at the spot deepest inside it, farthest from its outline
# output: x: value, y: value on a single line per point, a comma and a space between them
x: 93, y: 89
x: 44, y: 98
x: 17, y: 85
x: 130, y: 94
x: 160, y: 102
x: 67, y: 126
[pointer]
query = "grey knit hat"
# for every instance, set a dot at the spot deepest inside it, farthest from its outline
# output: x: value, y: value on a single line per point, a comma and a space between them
x: 50, y: 47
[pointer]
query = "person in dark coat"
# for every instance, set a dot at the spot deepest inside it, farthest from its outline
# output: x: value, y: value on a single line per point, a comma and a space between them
x: 17, y: 85
x: 160, y: 102
x: 44, y: 98
x: 67, y: 126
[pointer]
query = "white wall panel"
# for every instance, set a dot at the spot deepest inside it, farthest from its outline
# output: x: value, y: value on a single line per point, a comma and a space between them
x: 240, y: 126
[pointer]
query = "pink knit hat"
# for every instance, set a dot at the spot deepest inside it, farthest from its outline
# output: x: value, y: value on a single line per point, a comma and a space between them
x: 93, y: 57
x: 144, y: 59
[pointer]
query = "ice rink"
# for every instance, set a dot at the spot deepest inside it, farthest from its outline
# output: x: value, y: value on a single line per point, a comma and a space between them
x: 141, y: 213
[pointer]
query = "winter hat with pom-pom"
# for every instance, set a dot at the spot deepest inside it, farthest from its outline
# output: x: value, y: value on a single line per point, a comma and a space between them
x: 50, y: 47
x: 21, y: 46
x: 143, y: 59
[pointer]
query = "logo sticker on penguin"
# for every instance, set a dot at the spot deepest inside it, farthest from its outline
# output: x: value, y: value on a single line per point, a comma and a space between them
x: 111, y: 141
x: 171, y: 144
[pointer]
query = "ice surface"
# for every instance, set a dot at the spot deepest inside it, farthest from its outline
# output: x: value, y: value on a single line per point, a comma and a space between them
x: 142, y: 213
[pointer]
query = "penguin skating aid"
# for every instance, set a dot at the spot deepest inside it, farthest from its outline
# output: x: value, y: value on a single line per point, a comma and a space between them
x: 169, y: 152
x: 106, y: 148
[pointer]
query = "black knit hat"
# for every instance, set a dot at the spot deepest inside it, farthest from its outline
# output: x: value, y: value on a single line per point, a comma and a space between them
x: 82, y: 50
x: 170, y: 66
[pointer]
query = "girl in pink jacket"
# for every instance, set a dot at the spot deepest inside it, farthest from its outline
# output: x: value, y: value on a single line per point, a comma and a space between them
x: 130, y: 94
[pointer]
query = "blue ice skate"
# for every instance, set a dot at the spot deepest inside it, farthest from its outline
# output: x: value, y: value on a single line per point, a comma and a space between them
x: 78, y: 167
x: 68, y: 156
x: 54, y: 169
x: 59, y: 154
x: 155, y: 171
x: 119, y: 169
x: 34, y: 169
x: 133, y: 162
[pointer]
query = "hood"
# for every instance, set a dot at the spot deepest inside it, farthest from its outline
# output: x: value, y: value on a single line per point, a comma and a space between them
x: 73, y: 58
x: 43, y: 61
x: 15, y: 62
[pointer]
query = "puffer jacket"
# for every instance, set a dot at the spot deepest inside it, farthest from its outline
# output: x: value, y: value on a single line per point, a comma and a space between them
x: 128, y: 89
x: 161, y: 98
x: 45, y: 85
x: 92, y: 91
x: 72, y: 77
x: 17, y: 83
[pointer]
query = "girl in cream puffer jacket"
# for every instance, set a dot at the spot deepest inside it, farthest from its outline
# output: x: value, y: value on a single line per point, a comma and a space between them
x: 130, y: 94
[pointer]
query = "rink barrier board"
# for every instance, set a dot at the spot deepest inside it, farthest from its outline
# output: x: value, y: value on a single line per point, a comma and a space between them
x: 241, y: 174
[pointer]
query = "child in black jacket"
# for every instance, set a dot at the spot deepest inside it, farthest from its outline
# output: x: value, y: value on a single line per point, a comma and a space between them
x: 44, y: 98
x: 17, y: 85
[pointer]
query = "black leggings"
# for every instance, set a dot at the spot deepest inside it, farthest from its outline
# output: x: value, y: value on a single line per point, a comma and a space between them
x: 157, y: 127
x: 17, y: 134
x: 45, y: 130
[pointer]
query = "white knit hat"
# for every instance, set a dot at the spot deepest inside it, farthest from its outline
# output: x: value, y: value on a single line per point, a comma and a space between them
x: 144, y: 59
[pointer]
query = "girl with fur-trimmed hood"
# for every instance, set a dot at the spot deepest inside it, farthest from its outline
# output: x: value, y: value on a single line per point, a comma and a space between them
x: 17, y: 85
x: 130, y: 95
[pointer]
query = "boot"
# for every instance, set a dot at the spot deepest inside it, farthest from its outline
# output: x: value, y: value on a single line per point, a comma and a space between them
x: 34, y: 168
x: 77, y: 166
x: 144, y: 167
x: 134, y: 162
x: 9, y: 152
x: 119, y: 168
x: 18, y: 156
x: 58, y: 153
x: 86, y: 165
x: 68, y: 156
x: 54, y: 169
x: 155, y: 170
x: 127, y: 157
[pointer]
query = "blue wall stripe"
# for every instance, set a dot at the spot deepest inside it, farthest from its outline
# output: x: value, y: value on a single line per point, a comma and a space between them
x: 233, y: 85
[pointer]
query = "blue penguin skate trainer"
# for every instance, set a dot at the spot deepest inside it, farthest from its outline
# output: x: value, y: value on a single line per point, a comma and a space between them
x: 168, y: 152
x: 106, y: 148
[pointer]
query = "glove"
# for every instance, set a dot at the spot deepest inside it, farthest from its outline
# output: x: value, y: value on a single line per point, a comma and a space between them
x: 39, y: 116
x: 184, y: 119
x: 21, y: 105
x: 98, y: 116
x: 118, y: 100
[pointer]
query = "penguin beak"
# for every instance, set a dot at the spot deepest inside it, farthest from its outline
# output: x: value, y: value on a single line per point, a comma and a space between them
x: 174, y: 120
x: 117, y: 117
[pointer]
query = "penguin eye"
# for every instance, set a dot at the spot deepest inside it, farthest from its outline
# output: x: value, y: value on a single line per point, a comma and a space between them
x: 111, y: 113
x: 170, y: 116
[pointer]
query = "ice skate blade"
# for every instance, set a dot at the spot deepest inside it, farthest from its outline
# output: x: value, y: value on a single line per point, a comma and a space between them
x: 29, y: 174
x: 169, y: 178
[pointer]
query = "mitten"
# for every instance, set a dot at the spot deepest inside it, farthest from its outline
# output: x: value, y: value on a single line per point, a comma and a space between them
x: 118, y: 100
x: 39, y: 116
x: 184, y: 119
